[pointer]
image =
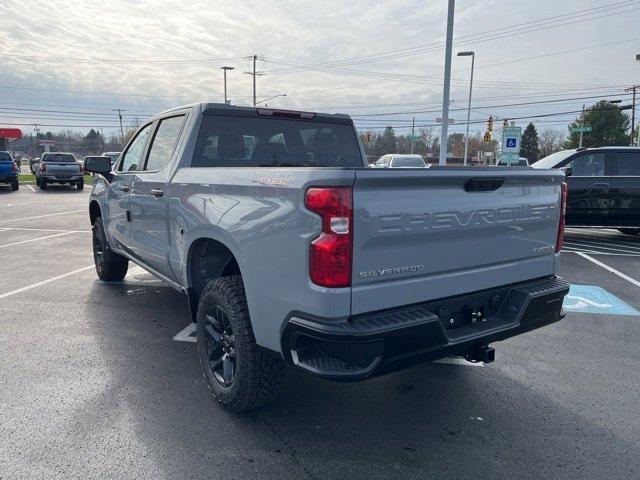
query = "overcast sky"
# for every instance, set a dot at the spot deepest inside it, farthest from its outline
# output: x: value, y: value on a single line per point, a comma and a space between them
x: 359, y: 57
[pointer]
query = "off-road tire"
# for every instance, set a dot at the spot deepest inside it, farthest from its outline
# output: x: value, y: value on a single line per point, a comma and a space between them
x: 109, y: 265
x: 15, y: 186
x: 80, y: 185
x: 43, y: 184
x: 257, y: 374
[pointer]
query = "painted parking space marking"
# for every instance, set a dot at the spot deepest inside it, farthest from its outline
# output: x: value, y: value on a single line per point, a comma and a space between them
x: 594, y: 299
x: 187, y: 334
x: 31, y: 188
x: 44, y: 282
x: 43, y: 216
x: 610, y: 269
x: 459, y: 361
x: 35, y: 239
x: 600, y: 242
x: 14, y: 204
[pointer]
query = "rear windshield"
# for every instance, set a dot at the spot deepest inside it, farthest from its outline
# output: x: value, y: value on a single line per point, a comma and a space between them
x: 552, y: 160
x: 5, y: 157
x: 275, y: 142
x: 407, y: 162
x: 59, y: 157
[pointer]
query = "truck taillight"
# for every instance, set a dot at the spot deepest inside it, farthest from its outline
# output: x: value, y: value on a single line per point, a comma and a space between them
x: 43, y: 167
x: 81, y: 169
x: 330, y: 254
x: 14, y: 168
x: 563, y: 213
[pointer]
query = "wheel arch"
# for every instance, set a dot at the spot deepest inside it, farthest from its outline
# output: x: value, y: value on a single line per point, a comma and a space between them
x: 207, y: 259
x: 94, y: 211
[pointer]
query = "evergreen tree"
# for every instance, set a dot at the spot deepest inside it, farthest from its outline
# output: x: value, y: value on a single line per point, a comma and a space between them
x: 608, y: 123
x: 530, y: 144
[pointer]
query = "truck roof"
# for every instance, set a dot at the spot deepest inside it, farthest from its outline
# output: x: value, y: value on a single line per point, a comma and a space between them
x: 213, y: 108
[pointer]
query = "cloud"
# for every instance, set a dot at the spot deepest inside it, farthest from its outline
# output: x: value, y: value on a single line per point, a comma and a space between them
x: 76, y: 46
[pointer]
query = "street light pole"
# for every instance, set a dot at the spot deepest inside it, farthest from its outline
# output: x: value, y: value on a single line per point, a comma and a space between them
x: 444, y: 132
x: 270, y: 98
x: 466, y: 139
x: 226, y: 102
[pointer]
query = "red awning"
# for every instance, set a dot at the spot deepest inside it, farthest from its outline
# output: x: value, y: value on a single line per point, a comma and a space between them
x: 10, y: 133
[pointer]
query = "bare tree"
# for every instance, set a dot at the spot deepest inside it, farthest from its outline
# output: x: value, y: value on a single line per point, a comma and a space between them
x: 550, y: 141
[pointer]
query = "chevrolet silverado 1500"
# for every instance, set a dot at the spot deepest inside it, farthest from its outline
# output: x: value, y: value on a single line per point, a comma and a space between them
x: 291, y: 250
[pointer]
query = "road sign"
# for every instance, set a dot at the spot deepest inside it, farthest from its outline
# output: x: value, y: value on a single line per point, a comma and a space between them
x: 413, y: 136
x: 581, y: 129
x: 510, y: 144
x: 46, y: 143
x: 510, y: 157
x: 439, y: 120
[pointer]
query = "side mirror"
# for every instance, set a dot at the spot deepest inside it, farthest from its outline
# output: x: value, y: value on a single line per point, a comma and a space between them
x: 567, y: 171
x: 97, y: 165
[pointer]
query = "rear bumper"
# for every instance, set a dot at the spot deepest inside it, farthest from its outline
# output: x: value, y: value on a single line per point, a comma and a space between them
x: 9, y: 179
x: 381, y: 342
x: 61, y: 179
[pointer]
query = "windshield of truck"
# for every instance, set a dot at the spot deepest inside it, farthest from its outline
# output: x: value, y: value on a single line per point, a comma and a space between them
x: 59, y: 157
x: 408, y: 162
x: 275, y: 142
x: 5, y: 157
x: 553, y: 159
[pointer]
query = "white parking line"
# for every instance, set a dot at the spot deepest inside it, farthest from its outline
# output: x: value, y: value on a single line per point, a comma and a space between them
x: 5, y: 229
x: 612, y: 270
x: 186, y: 334
x: 34, y: 239
x: 44, y: 282
x: 31, y: 188
x: 43, y: 216
x: 14, y: 204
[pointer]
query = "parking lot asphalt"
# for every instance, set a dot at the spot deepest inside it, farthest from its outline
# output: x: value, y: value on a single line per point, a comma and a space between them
x: 93, y: 384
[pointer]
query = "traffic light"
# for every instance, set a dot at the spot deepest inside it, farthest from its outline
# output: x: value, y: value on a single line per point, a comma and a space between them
x: 490, y: 124
x: 487, y: 137
x: 367, y: 137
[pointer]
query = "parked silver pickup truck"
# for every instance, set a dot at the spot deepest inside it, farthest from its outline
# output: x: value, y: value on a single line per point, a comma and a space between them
x: 60, y: 168
x: 291, y: 250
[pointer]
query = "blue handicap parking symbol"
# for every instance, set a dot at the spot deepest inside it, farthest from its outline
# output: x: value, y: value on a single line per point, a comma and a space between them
x: 512, y: 142
x: 592, y: 299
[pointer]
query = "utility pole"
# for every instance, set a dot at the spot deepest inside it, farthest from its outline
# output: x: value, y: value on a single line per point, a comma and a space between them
x: 35, y: 127
x: 466, y: 138
x: 121, y: 129
x: 444, y: 133
x: 254, y: 74
x: 633, y: 112
x: 413, y: 131
x: 582, y: 125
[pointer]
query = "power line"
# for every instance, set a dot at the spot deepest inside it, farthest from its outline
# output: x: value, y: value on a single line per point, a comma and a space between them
x: 512, y: 30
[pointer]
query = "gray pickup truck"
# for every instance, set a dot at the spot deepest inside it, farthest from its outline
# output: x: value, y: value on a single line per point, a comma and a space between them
x: 290, y: 249
x: 60, y: 168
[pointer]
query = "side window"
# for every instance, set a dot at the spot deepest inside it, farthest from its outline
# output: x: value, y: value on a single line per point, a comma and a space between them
x: 387, y: 160
x: 132, y: 158
x: 164, y: 142
x: 588, y: 165
x: 626, y: 163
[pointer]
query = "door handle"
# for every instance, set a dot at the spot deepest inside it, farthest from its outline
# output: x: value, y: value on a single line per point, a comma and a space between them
x: 125, y: 189
x: 156, y: 192
x: 605, y: 186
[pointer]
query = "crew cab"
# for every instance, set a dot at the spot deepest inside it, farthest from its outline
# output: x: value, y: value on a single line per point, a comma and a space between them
x: 290, y: 249
x: 59, y: 168
x: 8, y: 171
x: 604, y: 186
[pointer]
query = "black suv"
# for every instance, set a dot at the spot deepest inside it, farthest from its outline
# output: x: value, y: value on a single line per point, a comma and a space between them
x: 604, y: 186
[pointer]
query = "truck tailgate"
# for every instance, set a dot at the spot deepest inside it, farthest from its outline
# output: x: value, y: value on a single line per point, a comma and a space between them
x: 63, y: 169
x: 432, y: 233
